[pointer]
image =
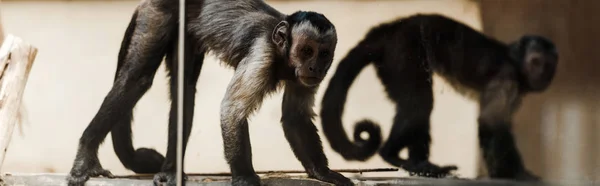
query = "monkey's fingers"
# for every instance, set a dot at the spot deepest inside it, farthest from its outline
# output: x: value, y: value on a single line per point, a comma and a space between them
x: 445, y: 171
x: 73, y: 180
x: 333, y: 177
x: 167, y: 178
x: 428, y: 169
x: 78, y: 178
x: 448, y: 168
x: 102, y: 172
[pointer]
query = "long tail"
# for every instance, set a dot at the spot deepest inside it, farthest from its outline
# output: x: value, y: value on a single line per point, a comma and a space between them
x: 333, y: 102
x: 142, y: 160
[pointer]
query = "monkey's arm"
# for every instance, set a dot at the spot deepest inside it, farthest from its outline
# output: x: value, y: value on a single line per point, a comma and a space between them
x: 301, y: 133
x: 498, y: 102
x: 250, y: 83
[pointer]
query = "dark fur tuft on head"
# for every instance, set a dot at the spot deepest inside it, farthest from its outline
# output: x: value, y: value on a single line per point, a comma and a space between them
x: 316, y: 19
x: 517, y: 48
x: 544, y: 42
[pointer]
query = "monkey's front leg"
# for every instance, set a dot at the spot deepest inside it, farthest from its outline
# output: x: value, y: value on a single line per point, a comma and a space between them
x: 238, y: 153
x: 496, y: 140
x: 244, y: 94
x: 302, y: 134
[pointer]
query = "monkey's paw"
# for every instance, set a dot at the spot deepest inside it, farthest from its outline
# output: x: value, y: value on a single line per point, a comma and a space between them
x: 80, y: 174
x: 330, y: 176
x: 167, y: 179
x: 428, y: 169
x: 253, y: 180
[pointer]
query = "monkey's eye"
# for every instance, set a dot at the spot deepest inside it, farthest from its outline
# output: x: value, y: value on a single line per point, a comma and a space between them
x: 307, y: 51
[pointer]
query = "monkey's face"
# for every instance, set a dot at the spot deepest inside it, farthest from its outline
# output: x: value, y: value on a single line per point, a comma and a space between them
x: 311, y: 57
x: 308, y: 51
x: 539, y: 59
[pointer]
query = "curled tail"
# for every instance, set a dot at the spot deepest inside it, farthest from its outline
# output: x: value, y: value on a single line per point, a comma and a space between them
x: 142, y: 160
x: 334, y: 100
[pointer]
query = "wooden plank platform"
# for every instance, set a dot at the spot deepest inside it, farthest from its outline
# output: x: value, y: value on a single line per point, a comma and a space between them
x: 271, y: 180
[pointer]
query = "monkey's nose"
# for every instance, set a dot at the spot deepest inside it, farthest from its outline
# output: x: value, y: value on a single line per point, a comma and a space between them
x: 314, y: 69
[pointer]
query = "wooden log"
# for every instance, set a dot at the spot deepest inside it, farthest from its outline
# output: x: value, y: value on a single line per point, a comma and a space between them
x: 1, y: 32
x: 16, y: 60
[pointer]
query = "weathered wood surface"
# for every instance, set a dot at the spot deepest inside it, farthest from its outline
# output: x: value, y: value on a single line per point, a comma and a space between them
x: 16, y: 59
x: 283, y: 180
x: 278, y: 172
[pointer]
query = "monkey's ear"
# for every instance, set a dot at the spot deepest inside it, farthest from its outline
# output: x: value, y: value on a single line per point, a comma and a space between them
x: 280, y: 35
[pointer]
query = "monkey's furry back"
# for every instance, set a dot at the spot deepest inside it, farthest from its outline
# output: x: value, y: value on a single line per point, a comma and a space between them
x: 230, y: 27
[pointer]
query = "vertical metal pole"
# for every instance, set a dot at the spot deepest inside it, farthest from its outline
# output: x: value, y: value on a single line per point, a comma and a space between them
x: 180, y: 89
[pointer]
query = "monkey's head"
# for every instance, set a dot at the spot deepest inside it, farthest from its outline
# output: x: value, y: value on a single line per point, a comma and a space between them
x: 307, y: 41
x: 536, y: 59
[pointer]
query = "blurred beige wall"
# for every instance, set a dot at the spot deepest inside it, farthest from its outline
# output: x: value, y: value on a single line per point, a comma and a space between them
x: 78, y: 44
x: 559, y: 130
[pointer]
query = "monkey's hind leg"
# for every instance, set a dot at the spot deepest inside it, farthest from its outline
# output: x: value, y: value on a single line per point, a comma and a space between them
x: 416, y: 138
x: 413, y: 95
x: 139, y: 58
x: 193, y: 66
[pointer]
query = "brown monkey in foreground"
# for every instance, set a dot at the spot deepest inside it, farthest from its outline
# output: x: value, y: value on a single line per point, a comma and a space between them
x: 406, y: 53
x: 267, y: 49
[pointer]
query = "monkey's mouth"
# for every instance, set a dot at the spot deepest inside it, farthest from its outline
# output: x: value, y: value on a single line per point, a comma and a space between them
x: 310, y: 81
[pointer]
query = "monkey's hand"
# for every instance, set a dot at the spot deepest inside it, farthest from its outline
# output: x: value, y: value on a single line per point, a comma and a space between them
x: 428, y: 169
x: 168, y: 178
x: 330, y: 176
x: 82, y: 171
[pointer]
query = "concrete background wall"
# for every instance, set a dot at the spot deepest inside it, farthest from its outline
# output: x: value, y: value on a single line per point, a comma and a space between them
x: 78, y: 44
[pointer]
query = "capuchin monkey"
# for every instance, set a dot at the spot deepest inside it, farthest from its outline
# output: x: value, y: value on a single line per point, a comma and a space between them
x: 406, y: 53
x: 267, y: 49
